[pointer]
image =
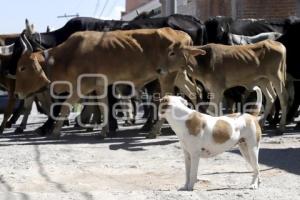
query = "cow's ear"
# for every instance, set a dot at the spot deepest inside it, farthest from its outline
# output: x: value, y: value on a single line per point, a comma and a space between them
x: 194, y: 51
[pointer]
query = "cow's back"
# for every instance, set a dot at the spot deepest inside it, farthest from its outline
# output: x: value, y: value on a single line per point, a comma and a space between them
x: 237, y: 63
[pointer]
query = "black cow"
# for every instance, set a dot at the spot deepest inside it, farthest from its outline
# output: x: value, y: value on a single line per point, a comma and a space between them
x: 189, y: 24
x: 291, y: 41
x: 217, y: 28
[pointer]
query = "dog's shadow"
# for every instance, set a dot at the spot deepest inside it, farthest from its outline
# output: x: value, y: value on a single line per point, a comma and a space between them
x: 286, y: 159
x: 229, y: 188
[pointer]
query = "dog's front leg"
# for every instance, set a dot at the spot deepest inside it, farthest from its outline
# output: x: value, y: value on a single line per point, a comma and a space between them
x: 194, y: 170
x: 187, y: 162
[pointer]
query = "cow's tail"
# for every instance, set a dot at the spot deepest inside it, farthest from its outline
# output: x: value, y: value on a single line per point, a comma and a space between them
x: 283, y: 68
x: 258, y: 104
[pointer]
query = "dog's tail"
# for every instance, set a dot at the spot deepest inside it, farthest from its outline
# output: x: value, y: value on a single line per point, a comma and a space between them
x: 258, y: 104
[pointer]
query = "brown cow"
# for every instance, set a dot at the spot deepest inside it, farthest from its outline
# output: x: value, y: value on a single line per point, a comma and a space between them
x: 139, y: 56
x: 262, y: 64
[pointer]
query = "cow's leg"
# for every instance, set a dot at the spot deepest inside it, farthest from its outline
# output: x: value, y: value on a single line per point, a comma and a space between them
x: 9, y: 109
x: 134, y: 107
x: 111, y: 100
x: 27, y: 109
x: 48, y: 125
x: 293, y: 102
x: 127, y: 106
x: 270, y: 94
x: 167, y: 87
x: 84, y: 116
x: 96, y: 118
x: 283, y: 98
x: 104, y: 109
x: 293, y: 110
x: 64, y: 113
x: 215, y: 107
x: 16, y: 115
x: 152, y: 88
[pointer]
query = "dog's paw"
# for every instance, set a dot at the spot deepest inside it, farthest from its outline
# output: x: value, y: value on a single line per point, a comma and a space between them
x: 183, y: 188
x: 254, y: 186
x: 186, y: 188
x: 19, y: 130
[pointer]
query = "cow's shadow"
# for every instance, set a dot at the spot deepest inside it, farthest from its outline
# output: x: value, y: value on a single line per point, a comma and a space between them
x: 130, y: 139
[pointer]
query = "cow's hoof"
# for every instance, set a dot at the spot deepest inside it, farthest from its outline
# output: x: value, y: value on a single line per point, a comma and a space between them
x: 66, y: 122
x: 8, y: 125
x: 76, y: 125
x: 146, y: 127
x: 1, y: 130
x: 54, y: 136
x: 41, y: 131
x: 111, y: 134
x: 254, y: 186
x: 127, y: 123
x: 279, y: 132
x: 89, y: 129
x: 100, y: 137
x: 151, y: 136
x: 19, y: 130
x: 186, y: 188
x: 297, y: 127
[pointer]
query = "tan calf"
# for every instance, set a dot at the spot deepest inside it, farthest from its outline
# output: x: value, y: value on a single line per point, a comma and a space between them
x: 262, y: 64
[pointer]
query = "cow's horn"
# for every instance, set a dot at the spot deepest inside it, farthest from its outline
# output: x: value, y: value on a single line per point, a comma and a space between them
x: 7, y: 50
x: 25, y: 43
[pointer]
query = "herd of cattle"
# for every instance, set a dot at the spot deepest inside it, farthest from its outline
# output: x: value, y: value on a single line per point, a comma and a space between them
x: 222, y: 56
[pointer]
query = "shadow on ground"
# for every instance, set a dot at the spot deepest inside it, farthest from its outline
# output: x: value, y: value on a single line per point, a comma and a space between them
x: 130, y: 139
x: 287, y: 159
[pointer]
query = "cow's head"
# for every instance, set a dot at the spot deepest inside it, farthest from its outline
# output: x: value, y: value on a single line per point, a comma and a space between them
x: 178, y: 52
x: 30, y: 77
x: 217, y: 28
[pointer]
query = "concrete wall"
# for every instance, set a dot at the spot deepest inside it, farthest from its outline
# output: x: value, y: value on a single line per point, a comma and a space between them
x: 133, y: 4
x: 269, y: 9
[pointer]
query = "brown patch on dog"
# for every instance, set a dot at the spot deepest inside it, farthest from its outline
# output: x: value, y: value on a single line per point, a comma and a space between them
x: 222, y: 131
x: 195, y: 123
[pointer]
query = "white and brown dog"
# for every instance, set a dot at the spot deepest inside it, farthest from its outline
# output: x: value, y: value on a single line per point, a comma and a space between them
x: 202, y: 135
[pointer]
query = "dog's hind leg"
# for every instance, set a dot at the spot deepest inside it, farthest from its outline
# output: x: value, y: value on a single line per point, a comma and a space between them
x: 244, y: 151
x: 253, y: 155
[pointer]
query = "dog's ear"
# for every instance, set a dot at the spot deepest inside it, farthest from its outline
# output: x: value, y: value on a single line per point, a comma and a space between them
x: 184, y: 101
x: 165, y: 100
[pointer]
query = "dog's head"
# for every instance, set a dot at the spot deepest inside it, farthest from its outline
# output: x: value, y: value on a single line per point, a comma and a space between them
x: 168, y: 102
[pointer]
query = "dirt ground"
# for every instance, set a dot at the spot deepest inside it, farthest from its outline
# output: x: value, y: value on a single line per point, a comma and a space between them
x: 81, y: 166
